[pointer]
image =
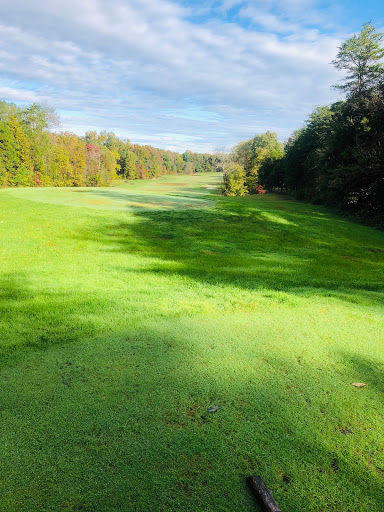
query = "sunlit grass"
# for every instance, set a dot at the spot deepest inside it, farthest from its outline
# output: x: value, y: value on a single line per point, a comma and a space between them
x: 128, y: 312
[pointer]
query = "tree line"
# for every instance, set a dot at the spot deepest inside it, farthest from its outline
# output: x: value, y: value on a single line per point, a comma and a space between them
x: 337, y: 157
x: 32, y: 154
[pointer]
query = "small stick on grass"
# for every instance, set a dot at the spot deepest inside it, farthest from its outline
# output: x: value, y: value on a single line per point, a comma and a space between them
x: 263, y: 494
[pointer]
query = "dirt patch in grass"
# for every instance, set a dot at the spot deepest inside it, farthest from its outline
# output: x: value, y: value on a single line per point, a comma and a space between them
x: 172, y: 184
x: 150, y: 205
x: 96, y: 201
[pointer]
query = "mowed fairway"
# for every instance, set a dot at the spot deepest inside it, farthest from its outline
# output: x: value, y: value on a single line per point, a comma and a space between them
x: 127, y: 312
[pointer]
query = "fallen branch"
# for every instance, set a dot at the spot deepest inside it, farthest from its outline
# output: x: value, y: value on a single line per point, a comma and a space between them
x: 263, y: 494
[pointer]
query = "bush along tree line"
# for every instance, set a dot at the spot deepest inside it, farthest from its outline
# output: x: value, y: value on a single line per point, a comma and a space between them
x: 242, y: 165
x: 337, y: 158
x: 31, y: 154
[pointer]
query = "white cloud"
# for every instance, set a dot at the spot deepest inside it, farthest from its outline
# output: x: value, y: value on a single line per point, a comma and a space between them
x: 141, y: 67
x: 18, y: 95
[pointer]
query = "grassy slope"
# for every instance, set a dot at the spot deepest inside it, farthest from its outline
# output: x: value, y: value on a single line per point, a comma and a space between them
x: 127, y: 312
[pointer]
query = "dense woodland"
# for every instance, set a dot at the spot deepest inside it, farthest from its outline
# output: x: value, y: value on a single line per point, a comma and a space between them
x: 32, y: 154
x: 337, y: 158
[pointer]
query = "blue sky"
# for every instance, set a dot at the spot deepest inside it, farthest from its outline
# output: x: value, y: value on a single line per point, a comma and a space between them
x: 177, y: 74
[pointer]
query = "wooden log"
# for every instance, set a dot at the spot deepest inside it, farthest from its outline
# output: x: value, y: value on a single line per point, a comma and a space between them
x: 263, y: 494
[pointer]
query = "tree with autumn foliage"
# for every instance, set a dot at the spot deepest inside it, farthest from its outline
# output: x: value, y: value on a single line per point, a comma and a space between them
x: 248, y: 156
x: 16, y: 167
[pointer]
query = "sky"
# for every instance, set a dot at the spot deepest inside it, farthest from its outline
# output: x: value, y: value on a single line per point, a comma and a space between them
x: 178, y: 74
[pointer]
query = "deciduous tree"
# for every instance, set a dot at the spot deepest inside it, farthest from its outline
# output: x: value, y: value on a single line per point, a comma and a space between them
x: 360, y: 57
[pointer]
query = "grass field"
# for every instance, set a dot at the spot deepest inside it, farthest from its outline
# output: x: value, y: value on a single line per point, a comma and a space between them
x: 127, y: 312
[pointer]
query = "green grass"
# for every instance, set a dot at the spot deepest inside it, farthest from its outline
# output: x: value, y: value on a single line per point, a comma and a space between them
x: 127, y: 311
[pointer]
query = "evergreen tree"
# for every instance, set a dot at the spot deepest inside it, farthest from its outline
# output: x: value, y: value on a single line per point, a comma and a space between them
x: 360, y: 56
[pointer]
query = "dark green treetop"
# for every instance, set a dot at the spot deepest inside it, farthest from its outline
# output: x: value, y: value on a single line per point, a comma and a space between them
x: 360, y: 56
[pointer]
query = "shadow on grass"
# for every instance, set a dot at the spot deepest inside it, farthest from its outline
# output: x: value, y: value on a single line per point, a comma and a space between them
x: 266, y: 249
x: 118, y: 421
x: 121, y: 423
x: 36, y: 317
x: 156, y: 200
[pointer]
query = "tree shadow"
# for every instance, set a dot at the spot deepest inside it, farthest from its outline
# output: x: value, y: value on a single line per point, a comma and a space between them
x: 100, y: 426
x: 254, y: 249
x: 156, y: 201
x: 38, y: 318
x: 97, y: 419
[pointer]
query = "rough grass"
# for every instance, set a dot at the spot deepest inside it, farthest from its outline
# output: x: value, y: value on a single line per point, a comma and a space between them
x: 127, y: 312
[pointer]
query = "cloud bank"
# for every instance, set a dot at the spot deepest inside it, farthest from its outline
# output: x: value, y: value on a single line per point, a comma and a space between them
x: 174, y: 75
